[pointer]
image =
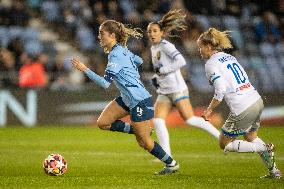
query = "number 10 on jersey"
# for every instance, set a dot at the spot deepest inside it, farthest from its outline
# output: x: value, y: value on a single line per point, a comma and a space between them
x: 238, y: 73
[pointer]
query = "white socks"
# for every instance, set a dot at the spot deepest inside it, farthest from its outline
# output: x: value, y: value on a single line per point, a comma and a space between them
x: 162, y: 134
x: 256, y: 145
x: 205, y: 125
x: 260, y: 143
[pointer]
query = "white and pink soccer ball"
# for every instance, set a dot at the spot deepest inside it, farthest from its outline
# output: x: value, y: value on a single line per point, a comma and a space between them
x: 55, y: 165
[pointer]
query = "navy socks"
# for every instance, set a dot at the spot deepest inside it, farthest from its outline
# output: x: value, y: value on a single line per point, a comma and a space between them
x: 159, y: 153
x: 121, y: 126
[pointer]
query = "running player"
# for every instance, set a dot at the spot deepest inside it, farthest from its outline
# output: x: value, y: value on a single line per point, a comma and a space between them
x: 231, y: 82
x: 171, y: 87
x: 134, y: 99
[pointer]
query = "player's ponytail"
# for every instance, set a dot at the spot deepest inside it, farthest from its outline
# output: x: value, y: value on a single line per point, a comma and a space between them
x: 174, y: 20
x: 219, y: 40
x: 121, y: 31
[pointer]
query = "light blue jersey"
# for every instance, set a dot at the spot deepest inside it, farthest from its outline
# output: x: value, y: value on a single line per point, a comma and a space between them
x: 122, y: 69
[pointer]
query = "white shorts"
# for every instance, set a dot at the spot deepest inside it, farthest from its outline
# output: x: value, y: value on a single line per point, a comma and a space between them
x: 247, y: 121
x: 173, y: 98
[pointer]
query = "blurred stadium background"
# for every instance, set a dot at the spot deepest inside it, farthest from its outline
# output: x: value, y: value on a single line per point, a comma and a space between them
x: 41, y: 36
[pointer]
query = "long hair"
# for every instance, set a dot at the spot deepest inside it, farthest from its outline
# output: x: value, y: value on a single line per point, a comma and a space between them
x: 218, y: 39
x: 121, y: 31
x: 174, y: 20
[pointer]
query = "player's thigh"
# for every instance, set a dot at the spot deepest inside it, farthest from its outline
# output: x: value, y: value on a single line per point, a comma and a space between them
x: 113, y: 111
x: 252, y: 133
x: 140, y: 116
x: 162, y: 107
x: 245, y: 123
x: 185, y: 108
x: 142, y: 131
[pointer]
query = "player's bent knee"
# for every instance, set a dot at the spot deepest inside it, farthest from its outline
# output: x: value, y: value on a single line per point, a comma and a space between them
x: 222, y: 144
x: 224, y: 141
x: 102, y: 125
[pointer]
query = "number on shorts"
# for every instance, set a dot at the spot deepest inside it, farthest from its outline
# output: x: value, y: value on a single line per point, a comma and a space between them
x: 139, y: 111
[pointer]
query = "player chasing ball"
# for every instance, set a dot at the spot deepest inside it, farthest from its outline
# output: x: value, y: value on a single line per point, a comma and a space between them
x: 134, y: 99
x: 223, y: 71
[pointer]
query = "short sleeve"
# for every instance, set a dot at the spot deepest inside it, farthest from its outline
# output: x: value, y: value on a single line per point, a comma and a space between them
x: 212, y: 73
x: 170, y: 50
x: 216, y: 80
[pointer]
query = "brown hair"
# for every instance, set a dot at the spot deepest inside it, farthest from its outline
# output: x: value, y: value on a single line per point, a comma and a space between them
x: 174, y: 20
x: 121, y: 31
x: 219, y: 40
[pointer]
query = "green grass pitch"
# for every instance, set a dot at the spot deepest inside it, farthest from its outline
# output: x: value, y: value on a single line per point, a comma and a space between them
x: 102, y: 159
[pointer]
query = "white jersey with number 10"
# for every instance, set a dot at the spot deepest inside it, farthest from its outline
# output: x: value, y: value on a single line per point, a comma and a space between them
x: 230, y: 82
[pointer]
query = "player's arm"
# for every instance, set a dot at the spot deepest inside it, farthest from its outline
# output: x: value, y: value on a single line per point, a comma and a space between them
x: 213, y: 104
x: 219, y: 84
x: 101, y: 81
x: 175, y: 55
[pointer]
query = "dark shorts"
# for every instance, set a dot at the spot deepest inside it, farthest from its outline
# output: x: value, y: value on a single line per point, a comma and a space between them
x: 143, y: 111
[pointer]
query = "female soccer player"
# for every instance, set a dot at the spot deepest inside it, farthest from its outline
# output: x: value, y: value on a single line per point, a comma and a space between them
x: 171, y: 87
x: 231, y: 82
x: 134, y: 99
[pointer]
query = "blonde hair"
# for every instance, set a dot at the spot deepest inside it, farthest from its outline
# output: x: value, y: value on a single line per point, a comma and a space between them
x: 219, y: 40
x: 121, y: 31
x: 174, y: 20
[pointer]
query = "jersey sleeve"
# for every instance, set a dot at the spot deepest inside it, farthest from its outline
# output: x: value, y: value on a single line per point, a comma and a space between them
x: 101, y: 81
x: 177, y: 62
x: 215, y: 78
x: 170, y: 50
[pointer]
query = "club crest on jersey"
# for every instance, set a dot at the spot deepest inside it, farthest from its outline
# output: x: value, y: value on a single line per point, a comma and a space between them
x: 158, y: 56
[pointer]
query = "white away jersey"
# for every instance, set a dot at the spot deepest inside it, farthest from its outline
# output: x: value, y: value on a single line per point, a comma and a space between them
x: 231, y: 82
x: 164, y: 55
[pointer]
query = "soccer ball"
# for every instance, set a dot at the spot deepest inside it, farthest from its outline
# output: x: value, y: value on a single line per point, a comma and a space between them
x: 55, y: 165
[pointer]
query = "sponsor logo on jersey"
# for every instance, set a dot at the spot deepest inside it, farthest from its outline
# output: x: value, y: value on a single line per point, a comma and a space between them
x: 245, y: 86
x: 112, y: 65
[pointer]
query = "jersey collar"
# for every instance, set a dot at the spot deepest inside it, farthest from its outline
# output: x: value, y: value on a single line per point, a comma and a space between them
x: 215, y: 54
x: 113, y: 47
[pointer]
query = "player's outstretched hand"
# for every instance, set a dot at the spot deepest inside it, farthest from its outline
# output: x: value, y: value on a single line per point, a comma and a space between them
x: 79, y: 65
